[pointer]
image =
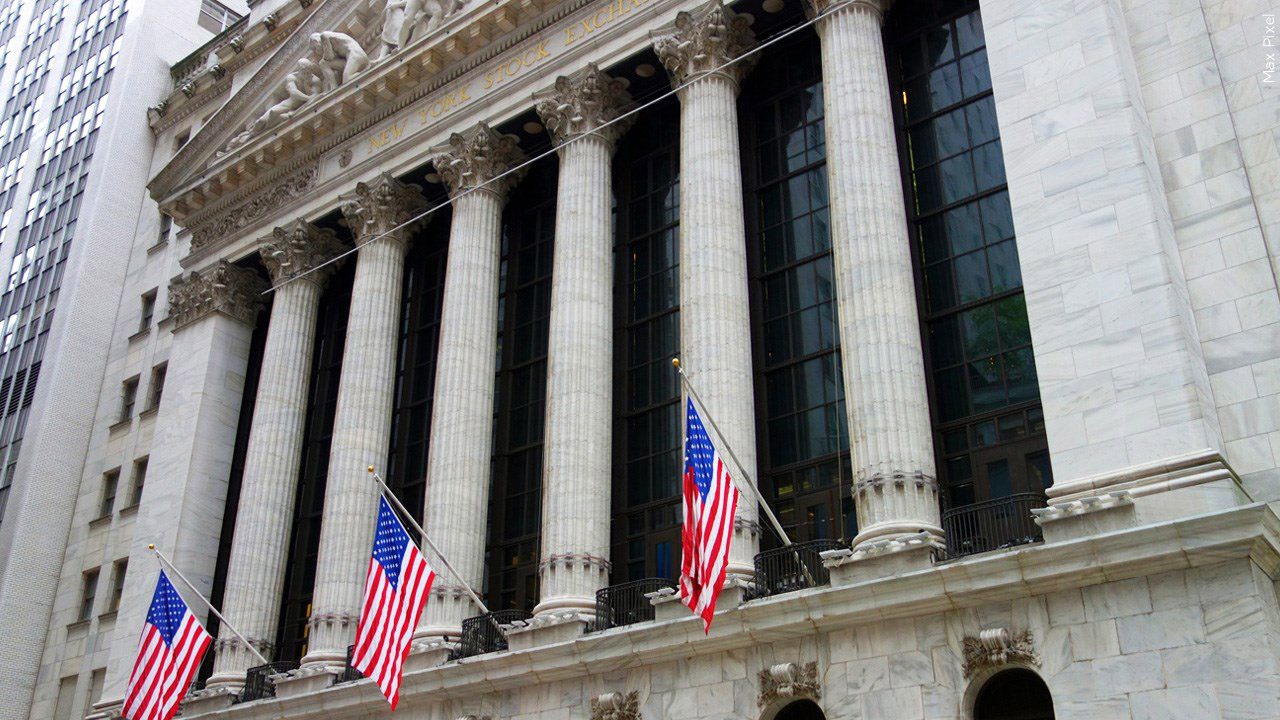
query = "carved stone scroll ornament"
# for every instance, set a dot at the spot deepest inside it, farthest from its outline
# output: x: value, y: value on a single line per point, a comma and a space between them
x: 226, y: 288
x: 226, y: 222
x: 705, y: 41
x: 301, y: 249
x: 383, y: 206
x: 581, y: 103
x: 996, y: 647
x: 404, y: 21
x: 475, y: 157
x: 616, y: 706
x: 789, y: 680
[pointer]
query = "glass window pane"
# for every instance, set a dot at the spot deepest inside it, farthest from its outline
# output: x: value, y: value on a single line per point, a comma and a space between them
x: 941, y: 291
x: 969, y: 34
x: 971, y: 277
x: 1039, y: 470
x: 985, y: 385
x: 976, y: 75
x: 938, y: 45
x: 997, y: 217
x: 998, y: 480
x: 1020, y: 368
x: 953, y: 396
x: 1011, y: 317
x: 944, y: 343
x: 950, y: 132
x: 964, y: 232
x: 957, y: 178
x: 982, y: 121
x: 988, y: 166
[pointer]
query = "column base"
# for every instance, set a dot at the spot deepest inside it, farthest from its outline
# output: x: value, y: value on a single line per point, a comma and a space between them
x: 882, y: 558
x: 233, y: 681
x: 667, y: 606
x: 561, y: 605
x: 895, y: 530
x: 305, y: 680
x: 429, y: 653
x: 549, y: 628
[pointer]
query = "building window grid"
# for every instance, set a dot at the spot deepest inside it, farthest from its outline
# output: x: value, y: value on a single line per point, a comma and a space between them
x: 989, y: 428
x: 110, y: 486
x: 128, y: 398
x: 147, y: 310
x: 804, y: 431
x: 216, y: 17
x: 88, y: 593
x: 515, y: 500
x: 118, y: 570
x: 138, y: 480
x: 156, y: 389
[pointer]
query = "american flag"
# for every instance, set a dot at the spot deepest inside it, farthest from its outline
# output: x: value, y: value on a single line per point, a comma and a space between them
x: 394, y: 593
x: 169, y: 653
x: 710, y: 500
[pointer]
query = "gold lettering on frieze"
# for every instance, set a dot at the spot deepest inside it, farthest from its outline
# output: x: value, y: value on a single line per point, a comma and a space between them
x: 502, y: 70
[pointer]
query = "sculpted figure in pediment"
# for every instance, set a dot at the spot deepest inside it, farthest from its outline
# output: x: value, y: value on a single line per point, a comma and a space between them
x: 404, y: 21
x: 339, y: 57
x: 298, y: 89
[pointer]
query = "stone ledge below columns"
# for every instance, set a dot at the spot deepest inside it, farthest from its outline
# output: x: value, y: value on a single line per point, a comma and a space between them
x: 548, y: 629
x: 304, y: 681
x: 886, y: 558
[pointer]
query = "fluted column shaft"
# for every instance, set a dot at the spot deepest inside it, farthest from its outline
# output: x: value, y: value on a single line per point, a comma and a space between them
x: 462, y: 417
x: 362, y: 420
x: 895, y: 482
x: 715, y: 322
x: 461, y: 446
x: 255, y: 576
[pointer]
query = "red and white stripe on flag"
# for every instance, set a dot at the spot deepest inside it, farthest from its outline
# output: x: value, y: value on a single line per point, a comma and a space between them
x: 710, y: 501
x: 169, y: 653
x: 394, y: 594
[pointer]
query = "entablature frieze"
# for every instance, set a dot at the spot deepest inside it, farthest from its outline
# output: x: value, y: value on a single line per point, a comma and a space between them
x: 388, y: 118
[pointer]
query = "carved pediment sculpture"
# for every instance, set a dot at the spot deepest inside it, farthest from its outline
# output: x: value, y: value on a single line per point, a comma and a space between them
x: 332, y: 60
x: 404, y: 21
x: 996, y: 647
x: 616, y: 706
x: 789, y: 680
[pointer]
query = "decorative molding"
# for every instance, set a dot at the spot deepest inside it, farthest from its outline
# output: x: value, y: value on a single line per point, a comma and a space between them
x: 581, y: 103
x: 705, y: 41
x: 996, y: 647
x: 383, y: 206
x: 921, y: 541
x: 301, y: 249
x: 1082, y: 506
x: 266, y: 648
x: 330, y: 618
x: 476, y: 157
x: 572, y: 559
x: 616, y: 706
x: 920, y: 478
x: 228, y: 289
x: 475, y: 717
x: 206, y: 231
x: 789, y: 680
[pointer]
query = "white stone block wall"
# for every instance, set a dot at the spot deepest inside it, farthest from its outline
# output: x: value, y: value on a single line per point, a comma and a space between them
x: 1198, y: 644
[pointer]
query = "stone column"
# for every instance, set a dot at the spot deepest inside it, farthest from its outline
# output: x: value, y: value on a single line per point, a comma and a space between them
x: 577, y: 456
x: 715, y: 324
x: 213, y: 314
x: 362, y: 420
x: 255, y: 578
x: 895, y: 485
x: 457, y: 499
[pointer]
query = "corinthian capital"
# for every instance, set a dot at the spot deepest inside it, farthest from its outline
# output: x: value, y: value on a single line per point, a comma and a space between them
x: 301, y: 249
x: 382, y: 206
x: 581, y: 103
x: 705, y: 41
x: 476, y: 156
x: 228, y: 289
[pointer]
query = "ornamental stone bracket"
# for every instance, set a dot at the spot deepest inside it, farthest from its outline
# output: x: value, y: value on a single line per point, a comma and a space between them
x: 208, y: 228
x: 616, y: 706
x: 996, y: 647
x: 228, y: 289
x: 479, y: 157
x: 301, y: 249
x: 789, y: 680
x: 384, y: 206
x: 1082, y: 506
x: 588, y: 101
x: 709, y: 39
x: 883, y: 558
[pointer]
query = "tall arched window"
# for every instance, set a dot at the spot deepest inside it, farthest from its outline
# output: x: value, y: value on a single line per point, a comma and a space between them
x: 1014, y: 694
x: 985, y: 400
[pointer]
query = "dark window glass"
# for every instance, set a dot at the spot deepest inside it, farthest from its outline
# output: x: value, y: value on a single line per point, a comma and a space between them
x: 989, y: 432
x: 647, y: 435
x: 802, y: 426
x: 515, y: 497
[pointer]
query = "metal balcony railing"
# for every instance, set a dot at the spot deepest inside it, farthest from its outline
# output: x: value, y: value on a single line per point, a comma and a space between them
x: 481, y: 634
x: 258, y: 683
x: 992, y: 524
x: 791, y: 568
x: 625, y: 603
x: 349, y: 673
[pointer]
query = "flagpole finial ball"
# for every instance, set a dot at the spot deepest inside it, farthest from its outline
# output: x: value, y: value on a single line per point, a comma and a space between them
x: 675, y: 363
x: 370, y: 468
x: 152, y: 546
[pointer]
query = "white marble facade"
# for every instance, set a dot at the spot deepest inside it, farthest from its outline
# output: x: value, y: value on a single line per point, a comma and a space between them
x: 1143, y: 166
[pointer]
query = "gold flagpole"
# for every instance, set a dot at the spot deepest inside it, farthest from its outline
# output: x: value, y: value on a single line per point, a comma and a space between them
x: 164, y: 562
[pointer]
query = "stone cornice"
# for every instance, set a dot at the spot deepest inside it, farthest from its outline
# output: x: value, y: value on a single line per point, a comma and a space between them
x: 580, y: 103
x: 1252, y: 531
x: 477, y: 34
